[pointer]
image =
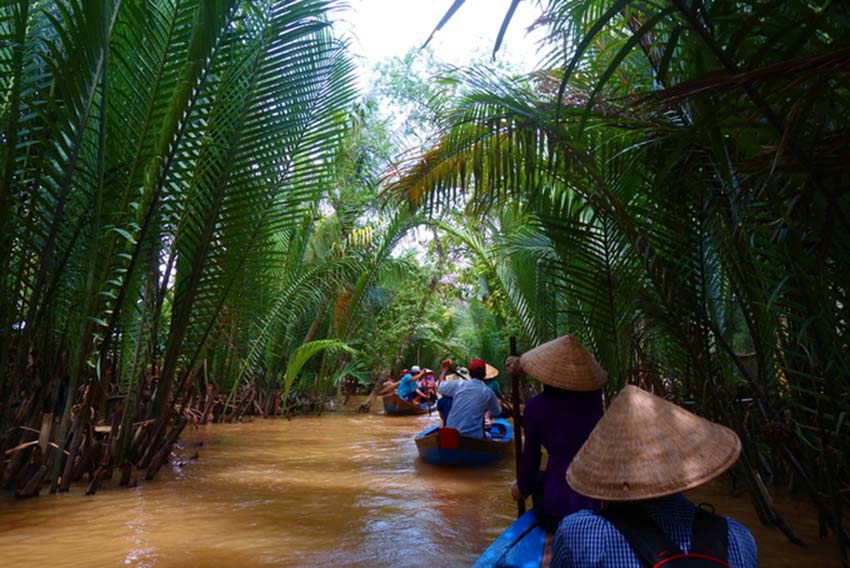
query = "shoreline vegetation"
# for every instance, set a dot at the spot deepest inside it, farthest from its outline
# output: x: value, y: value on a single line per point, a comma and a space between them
x: 26, y: 465
x: 156, y: 156
x: 202, y: 220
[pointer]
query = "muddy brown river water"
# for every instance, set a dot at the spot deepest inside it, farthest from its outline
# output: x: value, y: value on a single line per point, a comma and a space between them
x: 343, y: 489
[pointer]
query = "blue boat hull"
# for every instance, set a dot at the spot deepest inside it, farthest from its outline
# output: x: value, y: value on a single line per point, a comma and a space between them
x: 444, y: 446
x: 521, y: 545
x: 395, y: 406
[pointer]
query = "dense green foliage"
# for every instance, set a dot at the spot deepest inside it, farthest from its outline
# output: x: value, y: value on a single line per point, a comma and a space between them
x: 681, y: 171
x: 192, y: 223
x: 161, y: 161
x: 190, y: 228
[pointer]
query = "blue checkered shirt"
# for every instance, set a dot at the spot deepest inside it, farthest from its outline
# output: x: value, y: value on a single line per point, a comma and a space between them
x: 586, y: 540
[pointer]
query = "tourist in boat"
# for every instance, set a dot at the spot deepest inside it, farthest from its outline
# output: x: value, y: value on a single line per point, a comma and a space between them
x: 428, y: 386
x: 444, y: 403
x: 470, y: 400
x: 408, y: 386
x: 490, y: 379
x: 559, y: 419
x: 639, y: 459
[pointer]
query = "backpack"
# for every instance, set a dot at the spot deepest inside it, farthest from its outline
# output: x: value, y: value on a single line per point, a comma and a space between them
x: 709, y: 538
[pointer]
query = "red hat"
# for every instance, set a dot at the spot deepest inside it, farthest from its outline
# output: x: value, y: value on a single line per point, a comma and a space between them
x: 477, y: 364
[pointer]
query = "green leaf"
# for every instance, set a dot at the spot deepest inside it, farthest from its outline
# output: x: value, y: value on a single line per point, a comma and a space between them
x: 301, y: 355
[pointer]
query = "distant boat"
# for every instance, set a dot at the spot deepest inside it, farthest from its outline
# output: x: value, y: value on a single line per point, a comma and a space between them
x: 397, y: 406
x: 446, y: 446
x: 521, y: 545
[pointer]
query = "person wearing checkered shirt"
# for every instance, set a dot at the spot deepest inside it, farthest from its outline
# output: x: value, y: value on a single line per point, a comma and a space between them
x: 586, y: 539
x: 644, y: 453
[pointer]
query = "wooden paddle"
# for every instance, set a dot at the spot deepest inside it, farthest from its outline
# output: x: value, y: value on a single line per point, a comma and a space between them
x: 517, y: 424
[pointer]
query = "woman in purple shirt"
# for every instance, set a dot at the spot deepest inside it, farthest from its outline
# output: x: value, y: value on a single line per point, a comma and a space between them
x: 559, y: 419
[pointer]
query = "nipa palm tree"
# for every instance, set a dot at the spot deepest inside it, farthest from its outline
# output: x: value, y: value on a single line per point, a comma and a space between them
x: 154, y: 152
x: 684, y: 162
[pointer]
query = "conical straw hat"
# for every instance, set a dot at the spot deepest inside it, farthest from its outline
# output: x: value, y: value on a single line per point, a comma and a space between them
x: 566, y: 364
x: 491, y: 372
x: 646, y: 447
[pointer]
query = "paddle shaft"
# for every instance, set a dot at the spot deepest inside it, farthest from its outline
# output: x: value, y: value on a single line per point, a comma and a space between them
x: 517, y: 425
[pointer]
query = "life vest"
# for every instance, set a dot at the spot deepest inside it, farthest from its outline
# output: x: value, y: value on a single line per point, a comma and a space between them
x: 709, y: 538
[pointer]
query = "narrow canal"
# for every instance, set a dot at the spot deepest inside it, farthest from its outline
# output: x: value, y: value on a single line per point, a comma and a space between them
x: 343, y: 489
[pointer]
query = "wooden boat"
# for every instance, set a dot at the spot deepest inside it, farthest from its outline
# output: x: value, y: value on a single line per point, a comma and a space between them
x: 445, y: 446
x: 397, y: 406
x: 522, y: 545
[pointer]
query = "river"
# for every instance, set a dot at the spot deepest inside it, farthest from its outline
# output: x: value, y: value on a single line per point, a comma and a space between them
x: 343, y: 489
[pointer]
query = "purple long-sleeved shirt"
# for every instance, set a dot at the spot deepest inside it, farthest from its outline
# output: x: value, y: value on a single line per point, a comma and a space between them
x: 559, y: 421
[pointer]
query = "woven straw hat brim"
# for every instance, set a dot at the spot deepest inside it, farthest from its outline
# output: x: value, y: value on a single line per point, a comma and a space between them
x: 646, y: 447
x: 492, y: 372
x: 564, y: 363
x: 461, y: 372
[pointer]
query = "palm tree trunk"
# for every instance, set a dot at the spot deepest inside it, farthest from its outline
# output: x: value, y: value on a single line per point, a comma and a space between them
x: 317, y: 322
